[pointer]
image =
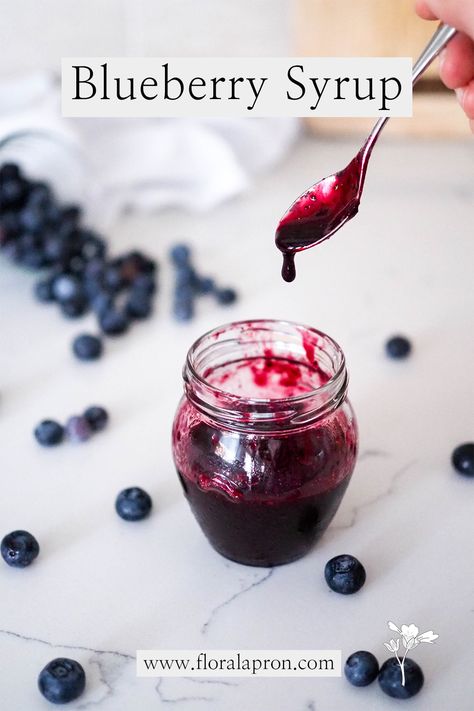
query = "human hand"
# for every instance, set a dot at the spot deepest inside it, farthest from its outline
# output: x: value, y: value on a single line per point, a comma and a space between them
x: 457, y: 60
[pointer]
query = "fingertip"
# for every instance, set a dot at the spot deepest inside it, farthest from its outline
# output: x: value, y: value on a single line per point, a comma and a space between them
x: 457, y: 62
x: 466, y: 99
x: 460, y: 96
x: 422, y: 9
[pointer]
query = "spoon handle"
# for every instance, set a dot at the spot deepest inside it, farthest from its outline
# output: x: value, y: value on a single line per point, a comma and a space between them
x: 440, y: 39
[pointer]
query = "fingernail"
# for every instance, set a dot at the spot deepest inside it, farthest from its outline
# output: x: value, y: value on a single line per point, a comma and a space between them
x: 460, y: 96
x: 442, y: 58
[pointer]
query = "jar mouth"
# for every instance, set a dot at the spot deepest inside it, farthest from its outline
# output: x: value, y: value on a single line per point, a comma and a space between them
x: 285, y: 340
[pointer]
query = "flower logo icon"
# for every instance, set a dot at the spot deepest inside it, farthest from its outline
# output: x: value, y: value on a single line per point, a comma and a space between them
x: 410, y: 637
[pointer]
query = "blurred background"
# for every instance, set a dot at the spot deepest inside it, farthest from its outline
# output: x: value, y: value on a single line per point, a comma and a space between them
x: 34, y: 40
x: 217, y: 158
x: 140, y: 28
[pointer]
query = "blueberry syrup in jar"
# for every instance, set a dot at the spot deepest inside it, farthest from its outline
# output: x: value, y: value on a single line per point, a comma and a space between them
x: 319, y: 212
x: 264, y: 439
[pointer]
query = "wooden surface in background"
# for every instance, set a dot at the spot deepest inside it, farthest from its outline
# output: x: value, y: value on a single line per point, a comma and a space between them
x: 377, y: 28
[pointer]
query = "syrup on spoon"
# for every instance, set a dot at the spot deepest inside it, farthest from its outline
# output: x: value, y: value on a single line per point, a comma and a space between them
x: 330, y: 203
x: 319, y: 212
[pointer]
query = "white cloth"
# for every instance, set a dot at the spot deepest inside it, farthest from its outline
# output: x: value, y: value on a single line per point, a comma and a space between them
x: 150, y: 163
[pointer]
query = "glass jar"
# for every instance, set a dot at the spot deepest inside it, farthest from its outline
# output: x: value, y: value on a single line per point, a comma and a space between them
x: 264, y: 439
x: 56, y: 158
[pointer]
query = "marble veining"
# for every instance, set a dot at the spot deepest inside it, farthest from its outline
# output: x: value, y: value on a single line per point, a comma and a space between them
x: 392, y: 483
x: 259, y: 578
x: 99, y: 652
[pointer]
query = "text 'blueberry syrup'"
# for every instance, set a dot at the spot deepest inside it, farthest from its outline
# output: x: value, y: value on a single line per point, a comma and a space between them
x: 319, y: 212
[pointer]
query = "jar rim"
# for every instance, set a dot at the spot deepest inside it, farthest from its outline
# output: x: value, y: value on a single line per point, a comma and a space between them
x: 338, y: 377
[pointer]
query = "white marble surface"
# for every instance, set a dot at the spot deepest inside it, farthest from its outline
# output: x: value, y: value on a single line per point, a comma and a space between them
x: 102, y: 588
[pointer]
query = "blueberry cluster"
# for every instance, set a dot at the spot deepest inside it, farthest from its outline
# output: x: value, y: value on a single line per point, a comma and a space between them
x: 362, y: 668
x: 78, y: 428
x: 37, y: 232
x: 189, y: 285
x: 346, y: 575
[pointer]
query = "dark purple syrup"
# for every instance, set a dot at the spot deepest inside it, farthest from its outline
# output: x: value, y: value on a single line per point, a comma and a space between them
x: 265, y: 498
x: 318, y: 213
x: 262, y: 532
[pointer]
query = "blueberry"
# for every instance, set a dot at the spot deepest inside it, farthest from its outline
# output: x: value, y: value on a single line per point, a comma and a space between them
x: 204, y: 285
x: 183, y: 305
x: 185, y: 277
x: 9, y: 171
x: 113, y: 279
x: 75, y: 307
x: 12, y: 192
x: 39, y: 194
x: 398, y: 347
x: 131, y: 266
x: 49, y: 433
x: 68, y: 219
x: 10, y: 223
x: 76, y: 265
x: 184, y: 290
x: 78, y: 429
x: 138, y: 304
x: 19, y: 549
x: 225, y: 296
x: 94, y: 268
x: 144, y: 282
x: 52, y: 213
x: 87, y: 347
x: 12, y: 251
x: 66, y: 287
x: 101, y: 302
x: 56, y: 248
x: 133, y: 504
x: 34, y: 259
x: 183, y: 311
x: 180, y: 254
x: 32, y: 218
x: 344, y: 574
x: 94, y: 286
x: 97, y: 417
x: 93, y: 246
x: 113, y: 323
x: 28, y: 240
x: 361, y: 668
x: 44, y: 290
x: 148, y: 266
x: 462, y: 459
x: 390, y: 678
x: 133, y: 263
x: 62, y: 680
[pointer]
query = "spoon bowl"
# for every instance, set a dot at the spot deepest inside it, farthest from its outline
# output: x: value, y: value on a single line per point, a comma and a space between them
x: 319, y: 212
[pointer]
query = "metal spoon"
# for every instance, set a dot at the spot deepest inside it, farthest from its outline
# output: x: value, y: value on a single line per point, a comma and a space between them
x: 329, y: 203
